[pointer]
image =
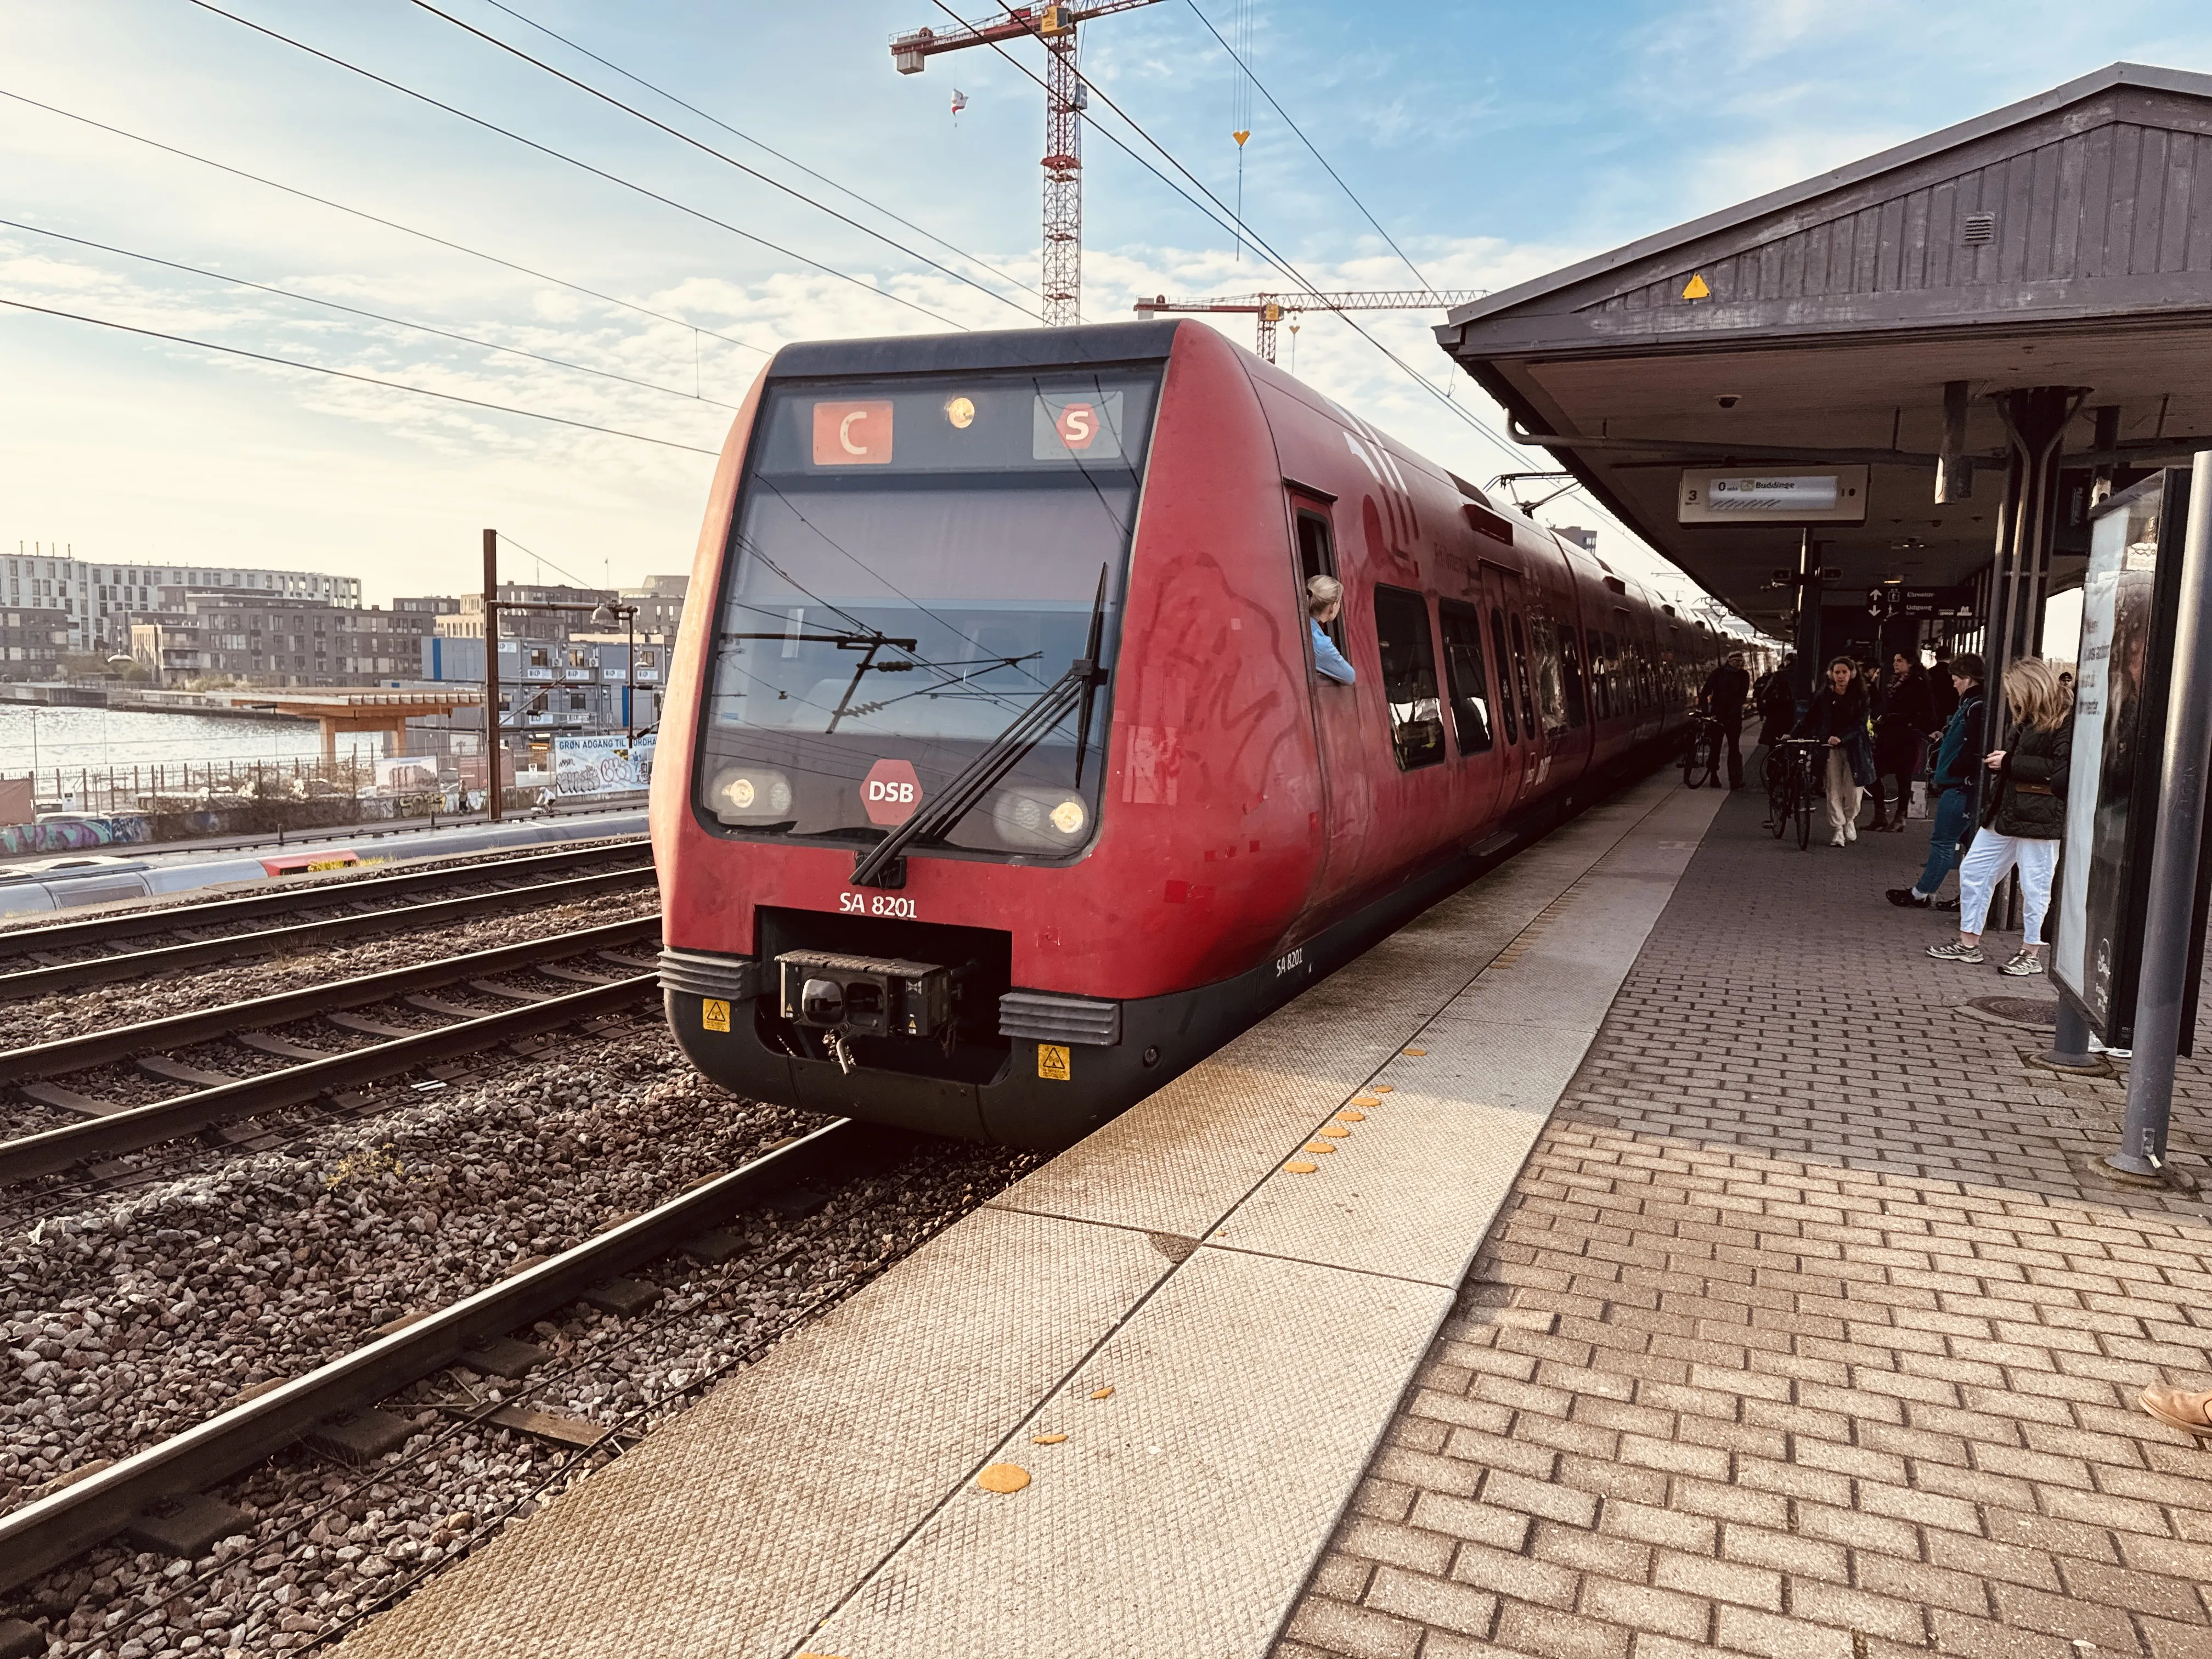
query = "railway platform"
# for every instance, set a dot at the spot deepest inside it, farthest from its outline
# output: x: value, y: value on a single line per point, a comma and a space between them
x: 1697, y: 1270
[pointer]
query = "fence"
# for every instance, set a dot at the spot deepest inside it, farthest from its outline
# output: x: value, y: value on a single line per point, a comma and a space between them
x: 183, y: 786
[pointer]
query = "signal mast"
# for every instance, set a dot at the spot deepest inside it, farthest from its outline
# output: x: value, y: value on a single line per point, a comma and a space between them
x: 1064, y: 104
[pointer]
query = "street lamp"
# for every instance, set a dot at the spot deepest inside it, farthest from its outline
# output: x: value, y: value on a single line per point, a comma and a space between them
x: 607, y: 613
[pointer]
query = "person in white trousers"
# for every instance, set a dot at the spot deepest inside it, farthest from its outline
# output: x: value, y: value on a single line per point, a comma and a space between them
x: 2026, y: 816
x: 1838, y: 719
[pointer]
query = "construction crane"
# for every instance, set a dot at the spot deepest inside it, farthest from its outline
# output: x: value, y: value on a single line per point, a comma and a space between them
x: 1064, y: 102
x: 1270, y: 309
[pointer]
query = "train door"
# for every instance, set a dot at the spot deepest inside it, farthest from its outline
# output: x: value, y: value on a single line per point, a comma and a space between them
x: 1477, y: 712
x: 1340, y: 733
x: 1506, y: 595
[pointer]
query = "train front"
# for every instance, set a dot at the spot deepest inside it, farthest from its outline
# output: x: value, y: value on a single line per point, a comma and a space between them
x: 892, y: 701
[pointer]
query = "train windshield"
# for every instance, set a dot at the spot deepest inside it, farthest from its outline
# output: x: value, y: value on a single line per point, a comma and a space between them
x: 913, y: 566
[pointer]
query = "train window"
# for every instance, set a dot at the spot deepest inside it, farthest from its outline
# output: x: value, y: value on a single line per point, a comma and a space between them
x: 1317, y: 557
x: 1409, y: 676
x: 1464, y: 676
x: 1550, y: 677
x: 1520, y: 676
x: 1505, y: 690
x: 1616, y: 694
x: 1571, y: 665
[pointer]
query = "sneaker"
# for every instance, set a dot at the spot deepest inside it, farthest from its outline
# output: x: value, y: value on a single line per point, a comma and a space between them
x: 1905, y: 898
x: 1836, y: 839
x: 2024, y: 963
x: 1957, y: 950
x: 1947, y: 904
x: 1850, y: 830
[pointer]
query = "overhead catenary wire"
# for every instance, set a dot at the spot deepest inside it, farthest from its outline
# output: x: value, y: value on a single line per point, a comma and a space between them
x: 760, y: 145
x: 645, y: 190
x: 1243, y: 63
x: 1260, y: 243
x: 348, y: 374
x: 355, y: 311
x: 715, y: 120
x: 388, y: 224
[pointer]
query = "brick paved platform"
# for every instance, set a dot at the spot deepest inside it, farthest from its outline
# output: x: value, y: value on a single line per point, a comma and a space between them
x: 1811, y: 1329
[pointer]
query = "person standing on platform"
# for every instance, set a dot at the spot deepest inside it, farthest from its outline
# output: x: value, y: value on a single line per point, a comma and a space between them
x: 1723, y: 697
x: 2026, y: 819
x: 1777, y: 706
x: 1900, y: 737
x: 1838, y: 718
x: 1951, y: 782
x: 1324, y: 604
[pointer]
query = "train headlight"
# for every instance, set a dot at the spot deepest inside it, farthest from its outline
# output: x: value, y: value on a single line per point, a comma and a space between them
x: 749, y: 794
x: 1047, y: 820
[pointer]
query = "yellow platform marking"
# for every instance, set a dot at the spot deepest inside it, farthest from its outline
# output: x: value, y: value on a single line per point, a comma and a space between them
x: 1003, y: 1477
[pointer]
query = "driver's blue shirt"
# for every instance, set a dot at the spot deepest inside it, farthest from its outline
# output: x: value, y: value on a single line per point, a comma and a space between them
x: 1327, y: 658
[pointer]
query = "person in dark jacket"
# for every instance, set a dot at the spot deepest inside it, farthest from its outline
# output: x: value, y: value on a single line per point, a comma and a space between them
x: 1838, y: 718
x: 2026, y: 819
x: 1900, y: 738
x: 1951, y: 782
x: 1723, y: 697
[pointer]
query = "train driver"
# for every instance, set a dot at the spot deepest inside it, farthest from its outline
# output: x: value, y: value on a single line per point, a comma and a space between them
x: 1324, y: 604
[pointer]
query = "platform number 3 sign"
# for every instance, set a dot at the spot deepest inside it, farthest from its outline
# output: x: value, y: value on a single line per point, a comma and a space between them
x: 1052, y: 1062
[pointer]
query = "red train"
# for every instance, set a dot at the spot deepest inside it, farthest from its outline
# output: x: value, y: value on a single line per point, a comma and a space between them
x: 998, y: 785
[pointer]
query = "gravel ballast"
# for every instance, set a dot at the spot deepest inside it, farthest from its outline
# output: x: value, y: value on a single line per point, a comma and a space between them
x: 137, y: 1315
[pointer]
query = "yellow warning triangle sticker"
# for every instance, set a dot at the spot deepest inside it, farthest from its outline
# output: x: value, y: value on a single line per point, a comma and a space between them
x: 1241, y: 136
x: 1696, y: 288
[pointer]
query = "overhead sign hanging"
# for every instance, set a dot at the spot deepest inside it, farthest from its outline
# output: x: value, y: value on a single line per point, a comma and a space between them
x: 1785, y: 495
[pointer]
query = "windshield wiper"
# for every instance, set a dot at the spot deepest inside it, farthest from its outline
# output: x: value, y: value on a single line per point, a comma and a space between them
x: 884, y: 865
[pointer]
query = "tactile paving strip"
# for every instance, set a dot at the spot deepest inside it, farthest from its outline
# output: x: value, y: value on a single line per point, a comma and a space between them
x: 788, y: 1484
x: 1181, y: 1514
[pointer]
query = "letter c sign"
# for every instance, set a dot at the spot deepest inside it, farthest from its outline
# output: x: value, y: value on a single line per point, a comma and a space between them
x: 853, y: 434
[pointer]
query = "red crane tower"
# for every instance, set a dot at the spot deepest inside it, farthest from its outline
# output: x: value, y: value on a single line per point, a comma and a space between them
x: 1063, y: 127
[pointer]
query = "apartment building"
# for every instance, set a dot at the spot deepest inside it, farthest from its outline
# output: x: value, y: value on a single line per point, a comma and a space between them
x: 195, y: 634
x: 100, y: 598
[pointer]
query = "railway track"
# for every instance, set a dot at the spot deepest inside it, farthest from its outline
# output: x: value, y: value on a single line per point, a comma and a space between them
x: 544, y: 882
x: 157, y: 1494
x: 111, y: 1128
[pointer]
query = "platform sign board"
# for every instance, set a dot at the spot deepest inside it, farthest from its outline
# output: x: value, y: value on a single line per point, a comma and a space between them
x: 608, y: 765
x: 1772, y: 495
x: 2123, y: 673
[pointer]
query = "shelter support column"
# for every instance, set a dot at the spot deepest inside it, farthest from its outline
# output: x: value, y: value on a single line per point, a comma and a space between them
x: 1807, y: 642
x: 2035, y: 420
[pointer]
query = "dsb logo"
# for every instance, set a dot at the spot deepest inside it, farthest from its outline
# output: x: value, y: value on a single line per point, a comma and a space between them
x: 890, y: 792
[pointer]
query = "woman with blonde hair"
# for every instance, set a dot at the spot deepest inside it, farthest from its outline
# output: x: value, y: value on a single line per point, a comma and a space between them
x: 2024, y: 817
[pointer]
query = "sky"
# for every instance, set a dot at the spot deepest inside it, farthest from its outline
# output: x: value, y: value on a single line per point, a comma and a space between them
x: 1477, y: 146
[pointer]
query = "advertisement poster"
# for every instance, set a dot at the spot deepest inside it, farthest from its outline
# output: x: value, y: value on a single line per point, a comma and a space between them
x: 2121, y: 677
x: 609, y: 765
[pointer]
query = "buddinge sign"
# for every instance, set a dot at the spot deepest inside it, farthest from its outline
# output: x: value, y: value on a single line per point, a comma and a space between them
x: 609, y: 765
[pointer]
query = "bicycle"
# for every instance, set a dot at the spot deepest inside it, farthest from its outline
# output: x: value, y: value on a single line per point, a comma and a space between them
x: 1793, y: 785
x: 1701, y: 754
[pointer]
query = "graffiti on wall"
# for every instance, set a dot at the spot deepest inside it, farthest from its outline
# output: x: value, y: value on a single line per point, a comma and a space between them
x: 73, y: 834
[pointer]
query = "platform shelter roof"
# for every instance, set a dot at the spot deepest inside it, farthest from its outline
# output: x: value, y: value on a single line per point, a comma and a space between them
x: 2065, y: 240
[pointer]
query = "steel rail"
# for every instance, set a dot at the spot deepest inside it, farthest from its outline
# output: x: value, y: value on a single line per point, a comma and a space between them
x: 335, y: 889
x: 42, y: 1536
x: 53, y: 1149
x: 165, y: 958
x: 74, y: 1054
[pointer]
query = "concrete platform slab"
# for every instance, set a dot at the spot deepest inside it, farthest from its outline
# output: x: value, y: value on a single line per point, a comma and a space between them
x: 825, y: 1501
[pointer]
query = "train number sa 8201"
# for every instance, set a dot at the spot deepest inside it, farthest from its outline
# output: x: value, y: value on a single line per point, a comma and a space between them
x: 876, y: 905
